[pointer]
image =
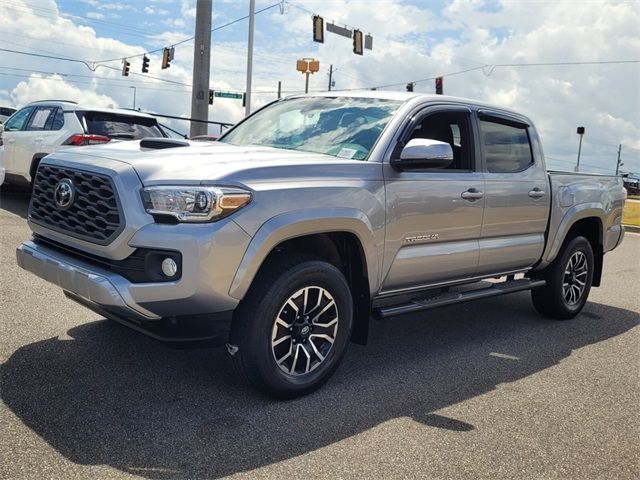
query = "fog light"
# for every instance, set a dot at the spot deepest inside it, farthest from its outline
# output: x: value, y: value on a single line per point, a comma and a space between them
x: 169, y: 267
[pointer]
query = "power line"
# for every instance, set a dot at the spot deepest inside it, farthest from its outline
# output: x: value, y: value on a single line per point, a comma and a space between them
x: 215, y: 29
x: 117, y: 27
x: 54, y: 57
x: 94, y: 64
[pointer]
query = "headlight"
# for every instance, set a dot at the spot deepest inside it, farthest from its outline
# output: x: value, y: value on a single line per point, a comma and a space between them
x: 194, y: 204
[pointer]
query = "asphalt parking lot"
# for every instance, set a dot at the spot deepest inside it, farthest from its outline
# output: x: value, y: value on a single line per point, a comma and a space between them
x: 481, y: 390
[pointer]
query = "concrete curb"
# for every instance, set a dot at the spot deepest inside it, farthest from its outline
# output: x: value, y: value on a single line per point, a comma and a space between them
x: 632, y: 228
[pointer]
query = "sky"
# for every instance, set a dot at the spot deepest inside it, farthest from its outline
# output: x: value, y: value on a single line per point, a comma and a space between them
x: 484, y: 49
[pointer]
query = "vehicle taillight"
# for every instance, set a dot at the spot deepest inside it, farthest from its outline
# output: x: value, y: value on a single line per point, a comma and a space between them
x: 86, y: 139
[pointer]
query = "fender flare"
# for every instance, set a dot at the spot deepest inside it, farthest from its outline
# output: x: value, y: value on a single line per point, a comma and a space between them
x: 571, y: 216
x: 300, y: 223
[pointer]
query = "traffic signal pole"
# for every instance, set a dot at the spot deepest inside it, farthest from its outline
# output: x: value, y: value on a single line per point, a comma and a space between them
x: 201, y: 67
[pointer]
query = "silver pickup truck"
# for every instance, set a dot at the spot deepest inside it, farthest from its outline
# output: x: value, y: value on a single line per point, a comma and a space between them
x: 313, y: 215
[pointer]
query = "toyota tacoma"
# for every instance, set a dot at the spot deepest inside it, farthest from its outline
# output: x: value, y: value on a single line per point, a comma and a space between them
x: 313, y: 215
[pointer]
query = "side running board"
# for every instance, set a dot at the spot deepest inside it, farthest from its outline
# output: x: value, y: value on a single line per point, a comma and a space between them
x: 441, y: 299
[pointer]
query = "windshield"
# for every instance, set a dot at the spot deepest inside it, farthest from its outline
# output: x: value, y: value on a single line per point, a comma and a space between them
x: 338, y: 126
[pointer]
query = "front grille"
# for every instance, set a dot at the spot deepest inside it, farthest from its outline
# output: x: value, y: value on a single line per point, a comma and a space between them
x: 93, y: 216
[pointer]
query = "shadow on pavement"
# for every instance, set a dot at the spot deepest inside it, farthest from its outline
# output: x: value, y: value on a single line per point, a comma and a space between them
x: 110, y: 396
x: 15, y: 199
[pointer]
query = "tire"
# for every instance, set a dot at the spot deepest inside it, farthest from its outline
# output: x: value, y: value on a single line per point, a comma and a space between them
x: 564, y: 295
x: 291, y: 367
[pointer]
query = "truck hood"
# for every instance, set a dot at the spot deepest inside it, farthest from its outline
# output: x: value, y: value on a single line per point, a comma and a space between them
x: 207, y: 162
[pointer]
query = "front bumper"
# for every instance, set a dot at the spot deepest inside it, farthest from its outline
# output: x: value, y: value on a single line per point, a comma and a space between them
x: 188, y: 310
x: 87, y: 281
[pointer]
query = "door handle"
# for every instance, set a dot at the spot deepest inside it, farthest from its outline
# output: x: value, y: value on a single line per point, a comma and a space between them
x: 472, y: 194
x: 38, y: 140
x: 537, y: 193
x: 11, y: 140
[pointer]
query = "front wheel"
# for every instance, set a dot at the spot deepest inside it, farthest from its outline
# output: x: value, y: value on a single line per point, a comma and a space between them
x: 568, y: 279
x: 293, y: 327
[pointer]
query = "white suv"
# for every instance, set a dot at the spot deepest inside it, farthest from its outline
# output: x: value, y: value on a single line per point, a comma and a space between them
x: 43, y: 127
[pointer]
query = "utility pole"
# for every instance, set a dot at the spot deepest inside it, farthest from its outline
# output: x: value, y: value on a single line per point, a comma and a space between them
x: 618, y: 163
x: 330, y: 76
x: 279, y: 89
x: 201, y: 67
x: 579, y: 131
x: 252, y: 15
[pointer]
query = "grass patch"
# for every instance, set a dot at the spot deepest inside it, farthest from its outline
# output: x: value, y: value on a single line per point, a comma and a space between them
x: 631, y: 215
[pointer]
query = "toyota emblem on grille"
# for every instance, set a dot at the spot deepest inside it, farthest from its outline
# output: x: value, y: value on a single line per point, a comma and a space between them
x: 64, y: 194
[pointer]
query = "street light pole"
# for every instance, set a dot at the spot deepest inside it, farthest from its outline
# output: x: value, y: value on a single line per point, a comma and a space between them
x: 252, y: 14
x: 134, y: 96
x: 580, y: 132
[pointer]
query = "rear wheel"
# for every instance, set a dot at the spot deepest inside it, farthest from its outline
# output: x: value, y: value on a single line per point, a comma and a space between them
x: 293, y: 326
x: 568, y: 279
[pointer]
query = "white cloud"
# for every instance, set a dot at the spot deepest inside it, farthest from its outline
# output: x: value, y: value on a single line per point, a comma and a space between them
x: 176, y: 22
x: 38, y: 87
x: 155, y: 11
x: 188, y: 9
x: 115, y: 6
x: 95, y: 15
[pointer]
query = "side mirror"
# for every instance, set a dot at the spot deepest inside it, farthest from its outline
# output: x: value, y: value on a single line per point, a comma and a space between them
x: 421, y: 153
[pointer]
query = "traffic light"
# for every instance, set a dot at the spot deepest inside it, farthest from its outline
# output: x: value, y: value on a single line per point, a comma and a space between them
x: 439, y: 81
x: 166, y: 58
x: 357, y: 42
x: 409, y: 87
x: 210, y: 97
x: 318, y: 29
x: 145, y: 64
x: 125, y: 67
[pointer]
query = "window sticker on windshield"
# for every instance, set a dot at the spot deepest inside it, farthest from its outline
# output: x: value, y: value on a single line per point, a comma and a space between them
x: 40, y: 118
x: 347, y: 153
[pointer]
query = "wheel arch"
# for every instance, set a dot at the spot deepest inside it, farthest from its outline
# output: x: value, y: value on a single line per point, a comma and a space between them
x: 589, y: 224
x: 35, y: 161
x: 343, y: 239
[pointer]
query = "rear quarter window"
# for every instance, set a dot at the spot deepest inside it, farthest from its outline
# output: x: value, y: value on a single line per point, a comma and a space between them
x: 118, y: 126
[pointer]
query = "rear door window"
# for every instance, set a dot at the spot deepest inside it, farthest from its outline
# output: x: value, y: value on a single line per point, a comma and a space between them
x: 119, y: 126
x: 42, y: 117
x: 506, y: 147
